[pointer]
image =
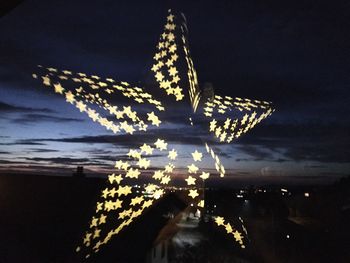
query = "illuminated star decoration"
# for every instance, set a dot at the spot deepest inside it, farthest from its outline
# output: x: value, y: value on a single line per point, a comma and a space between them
x: 227, y: 119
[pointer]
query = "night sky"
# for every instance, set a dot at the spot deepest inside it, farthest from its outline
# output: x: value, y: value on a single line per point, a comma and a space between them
x: 293, y: 54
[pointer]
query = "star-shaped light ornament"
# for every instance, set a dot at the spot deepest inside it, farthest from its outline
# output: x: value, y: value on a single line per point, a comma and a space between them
x: 175, y: 87
x: 197, y: 156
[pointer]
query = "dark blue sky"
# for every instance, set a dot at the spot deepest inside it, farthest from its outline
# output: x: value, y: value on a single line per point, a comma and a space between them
x: 294, y: 54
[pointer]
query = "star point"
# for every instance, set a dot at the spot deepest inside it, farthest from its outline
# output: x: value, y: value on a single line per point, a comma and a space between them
x: 58, y: 88
x: 204, y: 175
x: 193, y: 193
x: 133, y: 173
x: 190, y: 180
x: 219, y: 221
x: 161, y: 144
x: 154, y: 119
x: 147, y: 149
x: 192, y: 169
x: 172, y: 154
x: 197, y: 156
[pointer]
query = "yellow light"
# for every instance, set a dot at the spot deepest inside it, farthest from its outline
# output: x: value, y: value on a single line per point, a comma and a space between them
x: 120, y: 202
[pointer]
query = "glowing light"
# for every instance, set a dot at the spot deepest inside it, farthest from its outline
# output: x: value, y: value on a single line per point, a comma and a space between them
x: 193, y: 193
x: 220, y: 221
x: 191, y: 180
x: 197, y: 156
x: 172, y: 154
x: 204, y: 175
x: 120, y: 203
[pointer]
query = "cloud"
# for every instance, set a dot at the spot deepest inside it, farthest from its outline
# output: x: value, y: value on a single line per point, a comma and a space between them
x: 7, y: 108
x: 311, y: 141
x: 35, y: 118
x: 22, y: 142
x: 259, y: 152
x: 281, y: 160
x: 114, y: 158
x: 271, y: 171
x: 276, y: 142
x: 315, y: 166
x: 176, y: 136
x: 11, y: 162
x: 42, y: 150
x: 63, y: 160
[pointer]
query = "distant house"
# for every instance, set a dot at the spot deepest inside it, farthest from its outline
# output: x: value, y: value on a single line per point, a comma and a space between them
x: 79, y: 172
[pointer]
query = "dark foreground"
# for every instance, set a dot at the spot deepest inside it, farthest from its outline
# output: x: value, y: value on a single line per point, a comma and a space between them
x: 42, y: 220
